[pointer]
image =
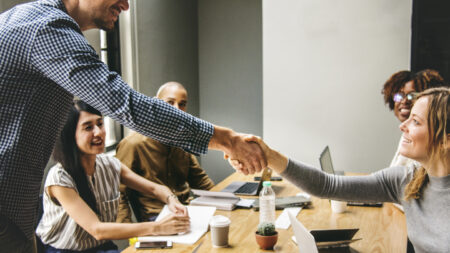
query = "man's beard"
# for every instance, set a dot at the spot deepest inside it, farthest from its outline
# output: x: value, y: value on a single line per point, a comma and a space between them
x: 106, y: 26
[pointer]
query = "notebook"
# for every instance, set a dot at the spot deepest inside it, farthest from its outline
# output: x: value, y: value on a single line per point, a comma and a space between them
x: 221, y: 200
x: 249, y: 188
x: 327, y: 166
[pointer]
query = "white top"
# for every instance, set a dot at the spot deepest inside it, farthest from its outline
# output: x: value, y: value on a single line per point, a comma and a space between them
x: 60, y: 231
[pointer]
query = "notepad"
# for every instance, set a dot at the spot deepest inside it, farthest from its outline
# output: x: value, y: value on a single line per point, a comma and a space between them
x: 220, y: 200
x: 199, y: 215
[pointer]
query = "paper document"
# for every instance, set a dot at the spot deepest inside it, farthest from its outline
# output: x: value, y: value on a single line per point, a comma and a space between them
x: 305, y: 241
x: 214, y: 194
x: 199, y: 215
x: 246, y: 203
x: 220, y: 200
x: 283, y: 221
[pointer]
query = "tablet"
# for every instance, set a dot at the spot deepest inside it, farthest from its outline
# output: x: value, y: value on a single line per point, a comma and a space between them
x: 327, y: 238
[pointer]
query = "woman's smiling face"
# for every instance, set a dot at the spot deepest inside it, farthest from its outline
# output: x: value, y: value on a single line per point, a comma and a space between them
x: 402, y: 109
x: 90, y: 134
x: 415, y: 132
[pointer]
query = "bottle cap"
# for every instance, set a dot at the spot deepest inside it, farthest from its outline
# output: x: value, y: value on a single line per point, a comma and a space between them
x: 267, y: 183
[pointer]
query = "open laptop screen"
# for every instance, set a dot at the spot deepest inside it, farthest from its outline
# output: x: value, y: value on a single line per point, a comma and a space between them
x: 325, y: 161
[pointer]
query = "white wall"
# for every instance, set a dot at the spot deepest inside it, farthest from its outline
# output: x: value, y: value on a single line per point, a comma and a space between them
x: 166, y: 43
x: 325, y: 62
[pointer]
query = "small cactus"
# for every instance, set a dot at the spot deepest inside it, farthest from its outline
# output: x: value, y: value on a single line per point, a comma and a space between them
x: 266, y: 229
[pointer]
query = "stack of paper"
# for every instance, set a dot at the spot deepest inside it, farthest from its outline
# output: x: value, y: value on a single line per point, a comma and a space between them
x: 199, y: 215
x: 220, y: 200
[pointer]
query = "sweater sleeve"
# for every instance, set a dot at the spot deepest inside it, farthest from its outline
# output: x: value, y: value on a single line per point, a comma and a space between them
x: 382, y: 186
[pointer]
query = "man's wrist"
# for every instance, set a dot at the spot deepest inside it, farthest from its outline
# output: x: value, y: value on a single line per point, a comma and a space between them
x: 222, y: 139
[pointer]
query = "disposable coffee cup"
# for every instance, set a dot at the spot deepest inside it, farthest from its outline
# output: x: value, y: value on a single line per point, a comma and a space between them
x: 338, y: 206
x: 220, y: 226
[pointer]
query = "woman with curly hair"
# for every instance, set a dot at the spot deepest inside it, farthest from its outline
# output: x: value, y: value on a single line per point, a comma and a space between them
x: 399, y: 92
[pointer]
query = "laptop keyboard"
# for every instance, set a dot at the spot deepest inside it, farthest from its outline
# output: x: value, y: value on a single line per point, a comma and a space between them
x: 248, y: 187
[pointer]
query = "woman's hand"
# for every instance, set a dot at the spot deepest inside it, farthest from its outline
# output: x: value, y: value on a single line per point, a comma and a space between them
x: 176, y: 207
x: 173, y: 224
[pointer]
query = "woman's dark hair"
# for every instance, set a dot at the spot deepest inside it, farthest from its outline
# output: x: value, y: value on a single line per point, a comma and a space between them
x: 394, y: 84
x: 67, y: 153
x: 426, y: 79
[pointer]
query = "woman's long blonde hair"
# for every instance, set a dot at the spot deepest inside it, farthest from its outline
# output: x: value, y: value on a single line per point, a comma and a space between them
x: 438, y: 132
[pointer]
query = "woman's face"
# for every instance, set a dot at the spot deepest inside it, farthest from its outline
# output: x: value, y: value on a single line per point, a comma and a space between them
x: 402, y: 109
x: 415, y: 132
x: 90, y: 134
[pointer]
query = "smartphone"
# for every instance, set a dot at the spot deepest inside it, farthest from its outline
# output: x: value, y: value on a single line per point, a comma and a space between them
x: 257, y: 178
x: 153, y: 245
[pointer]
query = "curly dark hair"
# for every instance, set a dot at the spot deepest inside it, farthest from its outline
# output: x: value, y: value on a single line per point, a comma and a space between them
x: 394, y: 84
x: 427, y: 78
x: 424, y: 79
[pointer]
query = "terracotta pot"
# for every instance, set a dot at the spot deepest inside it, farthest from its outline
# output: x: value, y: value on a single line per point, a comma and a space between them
x: 266, y: 241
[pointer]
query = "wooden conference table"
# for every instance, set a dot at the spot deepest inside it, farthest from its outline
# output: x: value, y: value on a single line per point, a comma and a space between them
x: 381, y: 229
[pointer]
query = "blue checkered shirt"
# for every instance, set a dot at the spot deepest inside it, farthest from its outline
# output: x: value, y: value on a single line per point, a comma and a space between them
x: 44, y: 62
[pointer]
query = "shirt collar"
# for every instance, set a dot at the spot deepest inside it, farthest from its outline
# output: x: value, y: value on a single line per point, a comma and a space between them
x: 55, y: 3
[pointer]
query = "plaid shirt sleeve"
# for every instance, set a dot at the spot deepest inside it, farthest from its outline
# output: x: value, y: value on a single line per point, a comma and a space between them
x: 62, y: 54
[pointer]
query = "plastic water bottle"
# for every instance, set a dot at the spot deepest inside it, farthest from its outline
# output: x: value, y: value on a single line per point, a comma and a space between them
x: 267, y: 203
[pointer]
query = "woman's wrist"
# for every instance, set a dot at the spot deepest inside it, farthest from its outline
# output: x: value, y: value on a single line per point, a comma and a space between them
x: 171, y: 196
x: 277, y: 161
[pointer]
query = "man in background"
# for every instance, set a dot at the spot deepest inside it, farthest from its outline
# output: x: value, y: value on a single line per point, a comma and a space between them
x: 160, y: 163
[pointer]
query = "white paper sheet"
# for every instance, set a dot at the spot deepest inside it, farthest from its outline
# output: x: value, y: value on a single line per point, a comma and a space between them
x: 305, y: 241
x: 215, y: 194
x: 283, y: 221
x: 199, y: 215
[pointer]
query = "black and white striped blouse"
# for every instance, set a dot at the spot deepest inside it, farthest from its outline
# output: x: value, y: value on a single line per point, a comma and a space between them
x: 56, y: 228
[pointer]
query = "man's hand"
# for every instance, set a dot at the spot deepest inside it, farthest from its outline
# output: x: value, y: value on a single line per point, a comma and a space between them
x: 234, y: 145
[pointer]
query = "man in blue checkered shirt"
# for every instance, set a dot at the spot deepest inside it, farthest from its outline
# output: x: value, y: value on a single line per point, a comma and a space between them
x: 44, y: 62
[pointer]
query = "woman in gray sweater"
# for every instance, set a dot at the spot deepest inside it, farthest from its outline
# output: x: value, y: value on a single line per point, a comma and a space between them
x: 424, y: 192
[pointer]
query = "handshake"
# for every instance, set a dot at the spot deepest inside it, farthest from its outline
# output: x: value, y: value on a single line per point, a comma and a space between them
x: 247, y: 154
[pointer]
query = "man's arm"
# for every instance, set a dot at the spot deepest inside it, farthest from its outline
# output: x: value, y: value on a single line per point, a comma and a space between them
x: 63, y: 55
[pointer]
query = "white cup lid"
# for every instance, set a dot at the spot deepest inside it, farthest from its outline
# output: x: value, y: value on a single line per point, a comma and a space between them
x: 219, y: 221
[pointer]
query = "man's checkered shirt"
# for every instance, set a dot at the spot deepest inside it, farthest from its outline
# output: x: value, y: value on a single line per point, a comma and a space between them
x: 44, y: 62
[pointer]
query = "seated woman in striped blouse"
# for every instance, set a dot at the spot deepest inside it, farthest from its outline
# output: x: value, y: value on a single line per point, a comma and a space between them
x: 81, y: 196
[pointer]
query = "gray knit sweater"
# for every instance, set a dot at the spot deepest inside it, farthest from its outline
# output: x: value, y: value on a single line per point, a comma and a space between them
x: 427, y: 218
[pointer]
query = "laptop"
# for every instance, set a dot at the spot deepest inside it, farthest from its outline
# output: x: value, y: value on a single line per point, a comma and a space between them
x: 249, y: 188
x: 327, y: 166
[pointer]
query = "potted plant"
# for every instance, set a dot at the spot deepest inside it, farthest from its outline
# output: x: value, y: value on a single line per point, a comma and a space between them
x: 266, y: 235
